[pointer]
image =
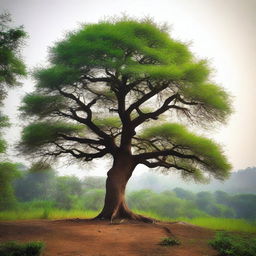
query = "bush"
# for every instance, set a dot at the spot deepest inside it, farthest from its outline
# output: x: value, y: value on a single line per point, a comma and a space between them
x: 21, y: 249
x: 233, y: 245
x: 168, y: 241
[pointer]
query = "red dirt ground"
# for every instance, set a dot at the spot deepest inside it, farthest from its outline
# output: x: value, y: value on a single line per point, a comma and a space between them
x: 101, y: 238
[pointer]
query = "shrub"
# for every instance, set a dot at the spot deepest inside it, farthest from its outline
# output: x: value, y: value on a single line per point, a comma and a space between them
x: 233, y: 245
x: 21, y: 249
x: 168, y: 241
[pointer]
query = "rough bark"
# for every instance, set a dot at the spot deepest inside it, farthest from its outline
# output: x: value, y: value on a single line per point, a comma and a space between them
x: 115, y: 206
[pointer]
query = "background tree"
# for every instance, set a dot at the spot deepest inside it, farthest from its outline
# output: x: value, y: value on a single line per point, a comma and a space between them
x: 8, y: 172
x: 11, y: 67
x: 11, y: 64
x: 36, y: 183
x: 111, y: 91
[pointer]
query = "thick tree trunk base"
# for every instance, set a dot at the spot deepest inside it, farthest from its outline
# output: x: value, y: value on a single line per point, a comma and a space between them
x: 115, y: 209
x: 122, y: 213
x: 131, y: 217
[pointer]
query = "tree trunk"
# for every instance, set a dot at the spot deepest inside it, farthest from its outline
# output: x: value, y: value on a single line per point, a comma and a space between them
x: 115, y: 206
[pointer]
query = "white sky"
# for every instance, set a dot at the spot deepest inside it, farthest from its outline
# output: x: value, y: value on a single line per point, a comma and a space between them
x: 222, y: 31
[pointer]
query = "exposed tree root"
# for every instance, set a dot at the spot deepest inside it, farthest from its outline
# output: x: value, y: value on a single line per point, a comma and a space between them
x: 122, y: 213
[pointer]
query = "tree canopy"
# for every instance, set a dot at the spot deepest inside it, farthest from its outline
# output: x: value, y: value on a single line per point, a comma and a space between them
x: 114, y: 85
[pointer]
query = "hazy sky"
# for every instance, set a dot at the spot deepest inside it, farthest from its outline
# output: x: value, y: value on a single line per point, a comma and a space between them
x: 223, y: 31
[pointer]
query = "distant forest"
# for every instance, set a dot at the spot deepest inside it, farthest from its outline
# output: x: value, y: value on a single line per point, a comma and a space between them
x: 240, y: 182
x: 162, y: 195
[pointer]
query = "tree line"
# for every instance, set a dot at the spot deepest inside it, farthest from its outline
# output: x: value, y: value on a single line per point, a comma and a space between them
x: 43, y: 187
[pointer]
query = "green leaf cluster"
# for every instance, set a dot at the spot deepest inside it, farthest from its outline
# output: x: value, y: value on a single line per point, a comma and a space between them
x: 41, y: 133
x: 178, y: 137
x: 11, y: 64
x: 41, y: 105
x: 106, y: 45
x: 56, y: 77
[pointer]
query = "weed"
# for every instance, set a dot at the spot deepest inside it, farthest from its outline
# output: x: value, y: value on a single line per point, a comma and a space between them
x: 168, y: 241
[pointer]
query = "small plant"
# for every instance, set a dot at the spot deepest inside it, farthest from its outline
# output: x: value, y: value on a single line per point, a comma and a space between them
x: 233, y: 245
x: 21, y: 249
x: 45, y: 214
x: 168, y: 241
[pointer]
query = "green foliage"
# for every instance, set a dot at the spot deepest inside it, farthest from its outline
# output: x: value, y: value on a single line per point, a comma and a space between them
x: 184, y: 194
x: 41, y: 105
x: 56, y: 77
x: 233, y: 245
x: 112, y: 40
x: 3, y: 145
x: 105, y: 45
x: 41, y: 133
x: 168, y: 241
x: 67, y: 190
x: 244, y: 205
x: 21, y: 249
x: 8, y: 172
x: 217, y: 99
x: 94, y: 182
x: 11, y: 63
x: 213, y: 159
x: 4, y: 122
x: 35, y: 183
x: 104, y: 76
x: 94, y: 199
x: 165, y: 204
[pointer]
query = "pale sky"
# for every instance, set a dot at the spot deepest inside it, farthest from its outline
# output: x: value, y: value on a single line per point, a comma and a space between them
x: 223, y: 31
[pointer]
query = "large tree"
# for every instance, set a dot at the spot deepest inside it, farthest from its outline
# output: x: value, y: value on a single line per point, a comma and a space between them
x: 112, y: 90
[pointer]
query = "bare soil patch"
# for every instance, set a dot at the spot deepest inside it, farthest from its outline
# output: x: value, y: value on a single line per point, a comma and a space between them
x: 101, y: 238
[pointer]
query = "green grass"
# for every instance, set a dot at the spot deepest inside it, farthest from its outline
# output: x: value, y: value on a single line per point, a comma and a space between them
x: 226, y: 224
x: 234, y: 245
x: 223, y: 224
x: 21, y: 249
x: 50, y: 214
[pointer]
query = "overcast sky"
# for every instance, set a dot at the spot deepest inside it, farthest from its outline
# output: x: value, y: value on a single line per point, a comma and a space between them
x: 223, y: 31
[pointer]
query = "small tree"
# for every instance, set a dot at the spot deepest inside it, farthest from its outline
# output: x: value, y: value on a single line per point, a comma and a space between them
x: 111, y: 90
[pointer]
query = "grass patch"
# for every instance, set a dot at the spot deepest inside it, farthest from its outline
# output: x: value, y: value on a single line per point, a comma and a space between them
x: 47, y: 213
x: 168, y: 241
x: 50, y: 213
x: 234, y: 245
x: 225, y: 224
x: 21, y: 249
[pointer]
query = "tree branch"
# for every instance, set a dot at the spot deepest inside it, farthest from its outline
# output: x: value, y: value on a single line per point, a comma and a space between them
x: 167, y: 152
x: 165, y: 165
